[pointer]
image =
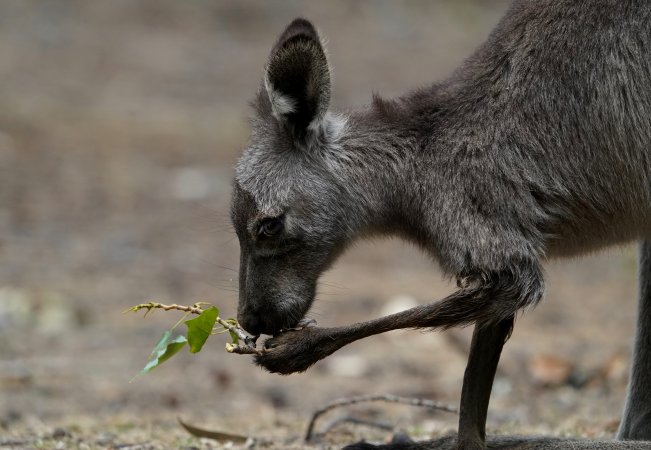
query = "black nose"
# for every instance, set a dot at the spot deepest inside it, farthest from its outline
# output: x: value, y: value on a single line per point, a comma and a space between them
x: 260, y: 323
x: 252, y: 324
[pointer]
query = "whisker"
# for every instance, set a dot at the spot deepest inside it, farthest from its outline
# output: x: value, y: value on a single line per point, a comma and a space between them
x: 223, y: 243
x: 226, y: 268
x: 334, y: 285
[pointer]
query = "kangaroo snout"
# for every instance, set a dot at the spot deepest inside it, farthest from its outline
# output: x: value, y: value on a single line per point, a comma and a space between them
x: 263, y: 321
x: 254, y: 324
x: 273, y: 312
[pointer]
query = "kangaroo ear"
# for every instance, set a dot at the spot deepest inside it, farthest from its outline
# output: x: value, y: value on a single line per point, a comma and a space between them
x: 297, y: 78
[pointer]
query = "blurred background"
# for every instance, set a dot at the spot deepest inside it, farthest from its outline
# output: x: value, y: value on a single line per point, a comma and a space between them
x: 120, y: 123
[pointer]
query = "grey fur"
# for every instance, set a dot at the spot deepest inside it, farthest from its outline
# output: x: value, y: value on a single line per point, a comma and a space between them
x: 537, y: 146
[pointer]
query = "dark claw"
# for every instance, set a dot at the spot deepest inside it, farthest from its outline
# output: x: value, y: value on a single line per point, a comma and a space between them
x: 251, y: 340
x: 269, y: 343
x: 305, y: 322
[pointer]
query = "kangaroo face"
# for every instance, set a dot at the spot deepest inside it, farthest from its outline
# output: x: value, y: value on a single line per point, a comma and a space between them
x: 286, y: 205
x: 284, y: 247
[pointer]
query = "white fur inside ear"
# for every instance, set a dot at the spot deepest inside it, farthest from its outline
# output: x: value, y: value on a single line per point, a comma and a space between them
x: 336, y: 126
x: 281, y: 105
x: 332, y: 126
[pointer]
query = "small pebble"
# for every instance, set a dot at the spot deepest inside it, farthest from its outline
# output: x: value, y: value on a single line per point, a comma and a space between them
x: 105, y: 439
x: 60, y: 433
x: 550, y: 370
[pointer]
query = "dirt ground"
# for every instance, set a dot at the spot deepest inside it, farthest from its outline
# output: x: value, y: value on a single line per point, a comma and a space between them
x: 120, y: 123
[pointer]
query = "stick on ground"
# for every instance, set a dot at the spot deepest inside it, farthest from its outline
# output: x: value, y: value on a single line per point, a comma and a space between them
x: 423, y: 403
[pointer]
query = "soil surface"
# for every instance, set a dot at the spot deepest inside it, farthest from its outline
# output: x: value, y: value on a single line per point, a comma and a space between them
x: 120, y: 123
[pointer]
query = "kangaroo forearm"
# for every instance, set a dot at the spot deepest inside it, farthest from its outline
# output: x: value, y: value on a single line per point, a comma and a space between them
x: 296, y: 351
x: 461, y: 308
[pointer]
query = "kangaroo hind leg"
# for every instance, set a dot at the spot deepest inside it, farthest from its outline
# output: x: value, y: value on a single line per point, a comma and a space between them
x: 636, y: 420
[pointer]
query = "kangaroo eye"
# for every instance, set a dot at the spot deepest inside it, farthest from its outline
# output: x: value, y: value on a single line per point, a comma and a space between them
x: 271, y: 227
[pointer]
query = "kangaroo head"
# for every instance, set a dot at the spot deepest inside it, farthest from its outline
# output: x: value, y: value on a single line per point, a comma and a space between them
x: 287, y: 206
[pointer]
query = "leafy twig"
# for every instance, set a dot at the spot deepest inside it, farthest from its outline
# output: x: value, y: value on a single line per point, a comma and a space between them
x: 199, y: 329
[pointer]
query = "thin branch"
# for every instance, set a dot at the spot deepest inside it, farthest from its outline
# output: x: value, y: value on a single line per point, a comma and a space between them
x: 355, y: 421
x: 238, y: 330
x: 244, y: 349
x: 420, y: 402
x: 194, y: 309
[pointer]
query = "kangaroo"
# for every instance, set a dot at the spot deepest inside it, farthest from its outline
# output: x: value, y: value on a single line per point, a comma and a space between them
x: 538, y: 146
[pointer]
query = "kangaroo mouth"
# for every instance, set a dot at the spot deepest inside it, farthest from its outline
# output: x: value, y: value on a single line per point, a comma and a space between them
x: 274, y: 317
x: 271, y: 324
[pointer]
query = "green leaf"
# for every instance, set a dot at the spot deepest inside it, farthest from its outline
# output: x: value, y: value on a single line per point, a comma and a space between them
x: 167, y: 346
x: 200, y: 328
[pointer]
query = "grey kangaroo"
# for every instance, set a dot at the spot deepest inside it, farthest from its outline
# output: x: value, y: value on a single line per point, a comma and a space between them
x: 537, y: 146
